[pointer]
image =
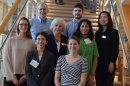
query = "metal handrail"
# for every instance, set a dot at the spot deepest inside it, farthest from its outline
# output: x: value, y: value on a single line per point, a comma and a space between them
x: 120, y: 36
x: 12, y: 27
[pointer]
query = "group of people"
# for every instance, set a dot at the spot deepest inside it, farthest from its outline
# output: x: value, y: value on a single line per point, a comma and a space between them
x: 52, y: 53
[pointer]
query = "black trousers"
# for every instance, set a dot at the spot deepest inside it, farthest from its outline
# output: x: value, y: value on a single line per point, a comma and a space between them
x: 103, y: 77
x: 10, y: 83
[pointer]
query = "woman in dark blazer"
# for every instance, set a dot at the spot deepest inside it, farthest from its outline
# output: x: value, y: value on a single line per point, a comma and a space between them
x: 39, y: 63
x: 57, y: 43
x: 108, y: 44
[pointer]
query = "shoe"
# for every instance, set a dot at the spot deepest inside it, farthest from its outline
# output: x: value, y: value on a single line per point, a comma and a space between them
x: 88, y: 8
x: 60, y: 3
x: 55, y: 1
x: 82, y: 2
x: 92, y: 11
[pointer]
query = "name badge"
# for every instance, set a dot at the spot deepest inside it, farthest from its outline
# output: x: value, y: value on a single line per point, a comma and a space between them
x: 34, y: 63
x: 46, y: 30
x: 87, y: 40
x: 104, y: 37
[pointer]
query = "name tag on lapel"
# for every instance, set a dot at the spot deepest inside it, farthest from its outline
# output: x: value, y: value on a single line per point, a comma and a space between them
x: 104, y: 37
x: 34, y: 63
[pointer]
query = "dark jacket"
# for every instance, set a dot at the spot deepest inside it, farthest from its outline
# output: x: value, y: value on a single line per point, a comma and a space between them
x: 108, y: 45
x: 52, y: 47
x: 42, y: 75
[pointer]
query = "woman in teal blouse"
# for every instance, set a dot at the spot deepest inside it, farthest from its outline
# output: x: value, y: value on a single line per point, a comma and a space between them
x: 88, y: 48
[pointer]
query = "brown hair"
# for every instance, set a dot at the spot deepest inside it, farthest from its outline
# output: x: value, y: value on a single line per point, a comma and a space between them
x: 28, y: 34
x: 75, y: 38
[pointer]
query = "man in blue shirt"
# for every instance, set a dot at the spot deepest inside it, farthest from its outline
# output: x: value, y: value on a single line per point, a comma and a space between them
x: 71, y: 26
x: 40, y: 23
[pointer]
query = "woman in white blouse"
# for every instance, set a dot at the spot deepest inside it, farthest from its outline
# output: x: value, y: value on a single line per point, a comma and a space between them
x: 16, y: 49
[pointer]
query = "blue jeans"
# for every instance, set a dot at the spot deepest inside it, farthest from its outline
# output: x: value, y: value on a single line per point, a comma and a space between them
x: 89, y: 5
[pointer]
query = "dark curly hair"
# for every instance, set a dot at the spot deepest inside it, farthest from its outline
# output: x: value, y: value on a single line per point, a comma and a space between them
x: 90, y: 33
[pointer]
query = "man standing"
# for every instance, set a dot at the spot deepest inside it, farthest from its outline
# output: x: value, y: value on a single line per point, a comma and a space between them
x: 88, y: 5
x: 40, y: 23
x: 71, y: 26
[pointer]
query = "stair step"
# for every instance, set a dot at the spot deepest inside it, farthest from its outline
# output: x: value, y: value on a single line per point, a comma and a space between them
x: 71, y: 16
x: 65, y: 6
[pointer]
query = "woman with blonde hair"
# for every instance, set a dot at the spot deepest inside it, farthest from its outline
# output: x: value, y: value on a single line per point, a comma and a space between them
x: 57, y: 43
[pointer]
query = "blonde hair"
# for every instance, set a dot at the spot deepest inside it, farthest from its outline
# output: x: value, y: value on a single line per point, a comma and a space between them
x: 56, y: 21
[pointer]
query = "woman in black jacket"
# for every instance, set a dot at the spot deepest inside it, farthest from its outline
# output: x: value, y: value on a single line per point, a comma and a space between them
x: 39, y: 63
x: 108, y: 44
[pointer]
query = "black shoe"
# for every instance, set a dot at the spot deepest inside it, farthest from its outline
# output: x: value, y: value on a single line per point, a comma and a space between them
x: 88, y: 8
x: 60, y: 3
x: 92, y: 11
x: 55, y: 1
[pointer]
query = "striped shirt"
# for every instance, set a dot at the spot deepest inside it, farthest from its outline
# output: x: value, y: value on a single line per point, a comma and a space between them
x: 71, y: 74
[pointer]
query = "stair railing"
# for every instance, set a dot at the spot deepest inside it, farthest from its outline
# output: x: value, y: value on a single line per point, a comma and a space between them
x: 5, y: 21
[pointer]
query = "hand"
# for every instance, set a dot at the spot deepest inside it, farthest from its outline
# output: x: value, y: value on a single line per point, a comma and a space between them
x: 22, y: 80
x: 90, y: 80
x: 54, y: 69
x: 111, y: 67
x: 16, y: 82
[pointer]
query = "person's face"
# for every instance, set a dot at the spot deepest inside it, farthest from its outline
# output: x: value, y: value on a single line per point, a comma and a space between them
x: 41, y: 41
x: 73, y: 46
x: 42, y: 11
x: 84, y: 28
x: 103, y: 19
x: 57, y: 29
x: 23, y: 26
x: 77, y: 13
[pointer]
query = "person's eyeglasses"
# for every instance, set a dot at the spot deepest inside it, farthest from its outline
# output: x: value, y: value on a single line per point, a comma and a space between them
x: 43, y: 9
x: 23, y: 25
x: 41, y: 39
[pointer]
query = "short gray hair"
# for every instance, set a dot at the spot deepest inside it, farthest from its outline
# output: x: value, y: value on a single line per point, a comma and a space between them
x: 56, y: 21
x: 42, y: 3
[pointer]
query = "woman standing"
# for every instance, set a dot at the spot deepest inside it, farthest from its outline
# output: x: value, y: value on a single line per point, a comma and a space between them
x: 16, y: 49
x: 71, y: 69
x: 88, y: 48
x: 39, y: 63
x: 57, y: 42
x: 108, y: 44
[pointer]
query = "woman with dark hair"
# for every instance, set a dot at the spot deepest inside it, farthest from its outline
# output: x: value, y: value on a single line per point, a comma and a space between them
x: 39, y: 63
x: 108, y: 44
x: 16, y: 49
x: 71, y: 69
x: 88, y: 48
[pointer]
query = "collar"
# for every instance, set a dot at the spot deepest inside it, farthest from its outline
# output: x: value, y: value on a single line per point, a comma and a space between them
x: 39, y: 19
x: 74, y: 21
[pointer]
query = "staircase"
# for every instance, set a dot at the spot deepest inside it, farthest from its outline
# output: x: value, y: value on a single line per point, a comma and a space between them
x: 65, y: 12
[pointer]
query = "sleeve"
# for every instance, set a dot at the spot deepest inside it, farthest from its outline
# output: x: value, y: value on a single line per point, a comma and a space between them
x: 95, y: 53
x: 8, y: 66
x: 65, y: 33
x: 29, y: 76
x: 115, y: 46
x: 47, y: 79
x: 96, y: 38
x: 33, y: 45
x: 59, y: 63
x: 85, y: 67
x: 30, y: 20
